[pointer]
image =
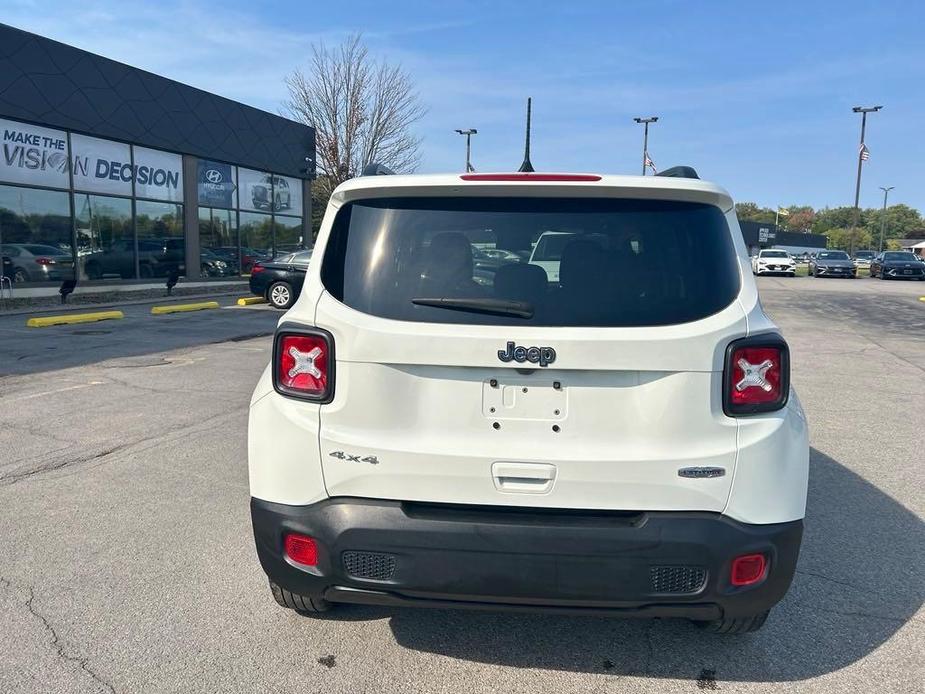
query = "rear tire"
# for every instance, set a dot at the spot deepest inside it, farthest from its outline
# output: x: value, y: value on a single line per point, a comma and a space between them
x: 739, y: 625
x: 300, y: 603
x: 280, y: 295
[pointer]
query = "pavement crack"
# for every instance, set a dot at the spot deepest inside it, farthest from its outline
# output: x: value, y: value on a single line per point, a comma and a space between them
x: 58, y: 645
x: 823, y: 577
x: 6, y: 480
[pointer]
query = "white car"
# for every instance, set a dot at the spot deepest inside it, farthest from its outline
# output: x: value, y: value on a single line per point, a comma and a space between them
x: 772, y: 261
x: 622, y: 440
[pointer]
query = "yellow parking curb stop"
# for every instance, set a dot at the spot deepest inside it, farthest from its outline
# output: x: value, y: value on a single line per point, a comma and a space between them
x: 180, y: 308
x: 67, y: 319
x: 249, y: 300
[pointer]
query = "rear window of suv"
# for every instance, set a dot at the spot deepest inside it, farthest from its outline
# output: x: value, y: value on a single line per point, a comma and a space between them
x: 569, y: 261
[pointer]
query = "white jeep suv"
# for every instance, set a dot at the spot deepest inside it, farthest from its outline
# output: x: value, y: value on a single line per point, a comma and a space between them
x: 623, y: 439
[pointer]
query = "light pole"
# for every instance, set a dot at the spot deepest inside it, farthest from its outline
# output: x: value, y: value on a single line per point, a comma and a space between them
x: 468, y: 132
x: 645, y: 139
x: 886, y: 191
x: 862, y: 155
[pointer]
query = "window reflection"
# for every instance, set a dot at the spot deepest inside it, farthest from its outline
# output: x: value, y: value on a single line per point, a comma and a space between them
x: 218, y: 242
x: 256, y: 238
x: 35, y: 235
x: 105, y: 245
x: 161, y: 244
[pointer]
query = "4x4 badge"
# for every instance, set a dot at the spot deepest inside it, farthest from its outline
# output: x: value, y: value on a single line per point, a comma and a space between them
x: 371, y: 459
x: 544, y: 356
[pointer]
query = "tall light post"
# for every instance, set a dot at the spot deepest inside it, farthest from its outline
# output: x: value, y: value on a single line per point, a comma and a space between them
x: 645, y: 139
x: 886, y: 191
x: 468, y: 132
x: 862, y: 156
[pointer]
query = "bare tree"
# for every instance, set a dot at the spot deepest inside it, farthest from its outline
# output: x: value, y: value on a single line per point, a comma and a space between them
x: 362, y: 111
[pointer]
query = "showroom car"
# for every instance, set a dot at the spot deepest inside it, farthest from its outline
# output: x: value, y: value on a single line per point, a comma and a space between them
x: 897, y: 265
x: 832, y: 264
x: 771, y: 261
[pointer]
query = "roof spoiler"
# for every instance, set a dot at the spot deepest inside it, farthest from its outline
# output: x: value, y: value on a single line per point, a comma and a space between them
x: 375, y: 169
x: 679, y: 172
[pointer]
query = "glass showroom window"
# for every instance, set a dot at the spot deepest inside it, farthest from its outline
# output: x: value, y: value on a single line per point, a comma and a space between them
x: 161, y: 247
x: 256, y: 238
x: 288, y: 234
x: 35, y: 234
x: 218, y: 242
x: 105, y: 244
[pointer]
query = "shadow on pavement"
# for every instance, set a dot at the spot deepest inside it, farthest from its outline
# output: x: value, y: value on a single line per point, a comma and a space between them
x: 34, y: 350
x: 858, y: 582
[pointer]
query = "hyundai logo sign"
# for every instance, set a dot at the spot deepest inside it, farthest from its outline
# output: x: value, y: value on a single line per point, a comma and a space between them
x: 214, y: 176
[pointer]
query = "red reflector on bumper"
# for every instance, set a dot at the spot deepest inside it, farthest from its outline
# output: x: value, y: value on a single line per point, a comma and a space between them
x: 301, y: 549
x: 748, y: 569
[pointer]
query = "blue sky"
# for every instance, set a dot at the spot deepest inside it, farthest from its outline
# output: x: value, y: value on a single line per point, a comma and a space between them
x: 756, y: 96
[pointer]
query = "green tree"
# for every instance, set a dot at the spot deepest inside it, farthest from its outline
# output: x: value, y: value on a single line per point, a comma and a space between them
x: 836, y: 218
x: 848, y: 239
x: 901, y: 220
x: 750, y: 212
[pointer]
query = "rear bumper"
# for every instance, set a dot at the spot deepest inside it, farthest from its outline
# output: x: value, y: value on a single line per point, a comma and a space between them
x: 647, y: 564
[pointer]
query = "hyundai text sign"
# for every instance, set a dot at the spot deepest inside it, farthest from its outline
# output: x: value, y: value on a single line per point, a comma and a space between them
x: 31, y: 154
x: 216, y: 184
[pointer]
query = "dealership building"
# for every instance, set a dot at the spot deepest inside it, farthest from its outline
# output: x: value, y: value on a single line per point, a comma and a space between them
x: 114, y: 175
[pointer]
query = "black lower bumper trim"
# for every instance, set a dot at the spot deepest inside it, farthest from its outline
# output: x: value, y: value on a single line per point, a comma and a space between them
x: 388, y: 553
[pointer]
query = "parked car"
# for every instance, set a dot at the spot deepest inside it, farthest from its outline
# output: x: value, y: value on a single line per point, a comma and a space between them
x: 832, y: 264
x: 897, y: 265
x: 772, y: 261
x: 280, y: 280
x: 621, y: 438
x: 36, y: 262
x: 863, y: 258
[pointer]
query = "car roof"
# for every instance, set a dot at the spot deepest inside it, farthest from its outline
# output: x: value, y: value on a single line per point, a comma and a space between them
x: 533, y: 185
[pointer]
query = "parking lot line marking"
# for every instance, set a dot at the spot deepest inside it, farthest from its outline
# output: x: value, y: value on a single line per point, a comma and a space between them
x: 67, y: 319
x: 79, y: 386
x: 249, y: 300
x: 180, y: 308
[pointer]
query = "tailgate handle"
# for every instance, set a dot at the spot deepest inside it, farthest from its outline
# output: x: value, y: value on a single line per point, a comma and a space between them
x: 526, y: 478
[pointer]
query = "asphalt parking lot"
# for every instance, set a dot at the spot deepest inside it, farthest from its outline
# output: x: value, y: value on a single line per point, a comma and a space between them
x: 127, y: 562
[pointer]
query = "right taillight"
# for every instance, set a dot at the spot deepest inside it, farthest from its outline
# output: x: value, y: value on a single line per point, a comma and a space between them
x: 756, y: 377
x: 303, y: 363
x: 257, y: 267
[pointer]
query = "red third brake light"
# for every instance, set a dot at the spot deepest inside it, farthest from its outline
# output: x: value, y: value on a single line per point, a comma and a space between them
x: 530, y: 177
x: 303, y: 364
x: 756, y: 376
x: 301, y: 549
x: 748, y: 570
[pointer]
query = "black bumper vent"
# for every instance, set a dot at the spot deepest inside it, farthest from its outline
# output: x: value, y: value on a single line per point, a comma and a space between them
x: 372, y: 566
x: 677, y: 579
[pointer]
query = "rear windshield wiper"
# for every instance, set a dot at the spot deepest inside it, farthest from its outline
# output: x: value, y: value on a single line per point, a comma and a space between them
x: 500, y: 307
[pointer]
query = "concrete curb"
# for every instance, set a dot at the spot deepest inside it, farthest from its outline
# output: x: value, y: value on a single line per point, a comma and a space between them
x: 251, y: 300
x: 182, y: 308
x: 47, y: 321
x: 114, y: 304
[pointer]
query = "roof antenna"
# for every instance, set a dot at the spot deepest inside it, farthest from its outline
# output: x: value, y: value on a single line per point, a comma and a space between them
x: 527, y: 167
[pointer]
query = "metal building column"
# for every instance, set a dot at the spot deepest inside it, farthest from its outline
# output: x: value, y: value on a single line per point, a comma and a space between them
x: 307, y: 239
x: 191, y: 214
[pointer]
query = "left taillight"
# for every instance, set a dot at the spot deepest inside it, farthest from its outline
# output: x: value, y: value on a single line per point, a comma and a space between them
x: 303, y: 363
x: 756, y: 377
